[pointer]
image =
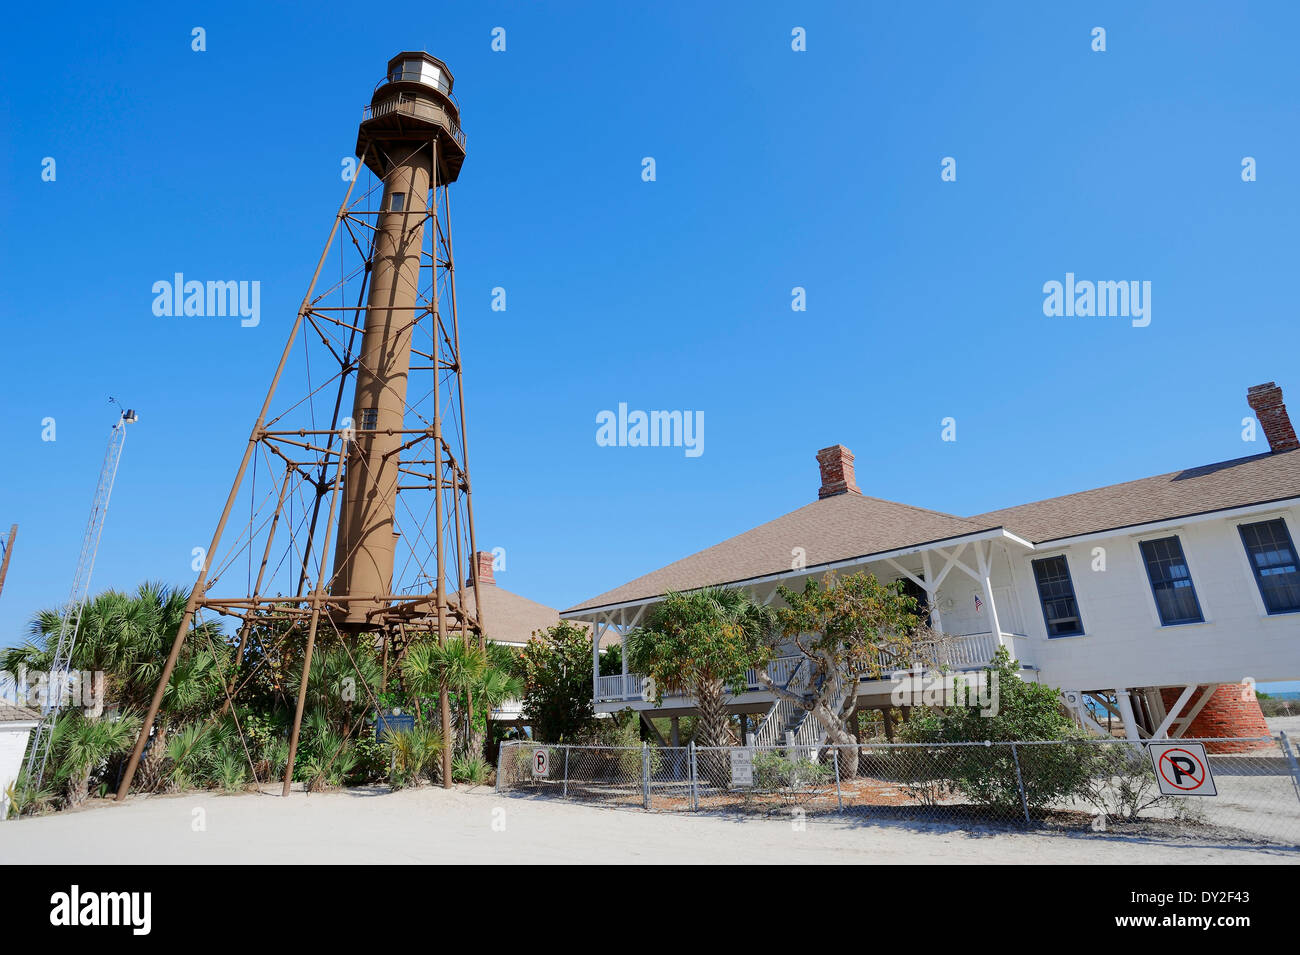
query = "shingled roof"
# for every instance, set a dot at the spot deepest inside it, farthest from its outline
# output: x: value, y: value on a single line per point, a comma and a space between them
x: 1257, y: 479
x: 830, y: 529
x: 850, y: 525
x: 17, y: 714
x: 510, y: 618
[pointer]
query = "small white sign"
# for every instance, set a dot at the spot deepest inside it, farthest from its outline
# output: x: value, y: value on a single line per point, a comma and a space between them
x: 1182, y: 769
x: 541, y: 762
x: 742, y: 767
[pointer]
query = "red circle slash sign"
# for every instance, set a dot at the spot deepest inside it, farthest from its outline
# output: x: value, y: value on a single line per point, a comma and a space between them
x: 1182, y: 769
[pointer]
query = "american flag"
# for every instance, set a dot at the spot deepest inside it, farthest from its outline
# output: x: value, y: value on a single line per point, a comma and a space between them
x: 979, y: 604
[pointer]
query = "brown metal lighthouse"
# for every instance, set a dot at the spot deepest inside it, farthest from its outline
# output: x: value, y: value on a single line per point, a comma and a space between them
x: 411, y: 140
x: 354, y: 490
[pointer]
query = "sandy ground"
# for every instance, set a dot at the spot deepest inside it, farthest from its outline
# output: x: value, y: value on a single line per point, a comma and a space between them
x: 436, y: 826
x: 1288, y: 724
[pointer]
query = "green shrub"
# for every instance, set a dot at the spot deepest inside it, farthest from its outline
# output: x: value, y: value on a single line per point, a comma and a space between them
x: 775, y: 772
x: 470, y: 769
x: 987, y: 774
x: 1122, y: 783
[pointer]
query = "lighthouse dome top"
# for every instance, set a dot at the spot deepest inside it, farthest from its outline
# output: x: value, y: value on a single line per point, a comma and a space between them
x: 419, y: 67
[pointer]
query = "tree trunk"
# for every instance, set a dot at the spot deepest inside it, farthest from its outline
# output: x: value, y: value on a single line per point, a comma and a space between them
x: 150, y: 776
x: 79, y: 787
x: 836, y: 734
x: 713, y: 716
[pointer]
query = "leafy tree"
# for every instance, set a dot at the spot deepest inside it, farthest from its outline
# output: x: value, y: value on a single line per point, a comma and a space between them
x: 850, y: 629
x: 555, y: 667
x: 1024, y: 711
x: 700, y: 644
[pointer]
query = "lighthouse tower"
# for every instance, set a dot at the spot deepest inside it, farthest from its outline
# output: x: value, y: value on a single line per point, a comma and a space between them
x: 411, y: 139
x: 354, y: 491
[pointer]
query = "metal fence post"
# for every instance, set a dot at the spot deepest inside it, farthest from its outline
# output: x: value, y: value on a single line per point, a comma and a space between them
x: 1020, y: 783
x: 835, y: 754
x: 501, y: 761
x: 645, y: 774
x: 566, y: 772
x: 1285, y: 742
x: 691, y: 768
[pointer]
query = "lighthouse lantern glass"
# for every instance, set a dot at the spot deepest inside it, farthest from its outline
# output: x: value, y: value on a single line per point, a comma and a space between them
x: 420, y: 71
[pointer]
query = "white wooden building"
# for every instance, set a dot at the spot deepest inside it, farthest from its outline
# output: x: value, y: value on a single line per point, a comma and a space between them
x: 16, y: 725
x: 1163, y: 599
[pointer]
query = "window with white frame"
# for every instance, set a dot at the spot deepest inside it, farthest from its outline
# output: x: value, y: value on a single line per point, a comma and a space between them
x: 1272, y: 558
x: 1171, y: 582
x: 1056, y: 594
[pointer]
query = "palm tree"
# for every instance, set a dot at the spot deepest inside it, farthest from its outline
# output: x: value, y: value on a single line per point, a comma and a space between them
x: 83, y: 745
x: 497, y: 686
x: 467, y: 674
x: 125, y: 636
x: 700, y: 644
x: 456, y: 668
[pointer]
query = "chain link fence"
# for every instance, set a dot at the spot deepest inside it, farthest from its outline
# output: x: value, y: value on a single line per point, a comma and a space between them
x: 1077, y: 785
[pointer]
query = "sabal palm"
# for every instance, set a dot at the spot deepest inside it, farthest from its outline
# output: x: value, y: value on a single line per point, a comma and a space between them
x: 82, y: 744
x: 124, y: 635
x: 495, y: 688
x: 458, y: 667
x: 699, y: 644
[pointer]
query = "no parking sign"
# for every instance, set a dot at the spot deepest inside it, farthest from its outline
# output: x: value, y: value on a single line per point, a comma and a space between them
x: 1182, y: 769
x: 541, y: 762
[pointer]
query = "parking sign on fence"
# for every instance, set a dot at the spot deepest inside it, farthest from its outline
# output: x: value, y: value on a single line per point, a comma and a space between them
x: 1182, y: 769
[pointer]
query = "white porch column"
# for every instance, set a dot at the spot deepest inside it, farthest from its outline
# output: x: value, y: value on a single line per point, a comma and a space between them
x: 622, y: 651
x: 985, y: 563
x: 596, y: 629
x: 931, y: 592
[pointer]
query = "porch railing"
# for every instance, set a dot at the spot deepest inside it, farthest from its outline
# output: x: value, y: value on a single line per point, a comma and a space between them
x: 620, y: 687
x: 964, y: 651
x: 959, y: 652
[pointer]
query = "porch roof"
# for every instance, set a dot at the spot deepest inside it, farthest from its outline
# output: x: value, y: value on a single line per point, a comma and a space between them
x: 843, y: 527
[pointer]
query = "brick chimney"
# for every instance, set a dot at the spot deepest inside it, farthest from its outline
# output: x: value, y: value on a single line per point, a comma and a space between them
x: 836, y: 464
x: 483, y: 568
x: 1266, y: 401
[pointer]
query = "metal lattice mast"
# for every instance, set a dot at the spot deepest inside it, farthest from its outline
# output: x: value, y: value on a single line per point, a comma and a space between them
x: 71, y: 619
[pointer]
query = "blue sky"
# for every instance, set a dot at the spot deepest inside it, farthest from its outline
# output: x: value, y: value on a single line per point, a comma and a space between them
x: 775, y: 169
